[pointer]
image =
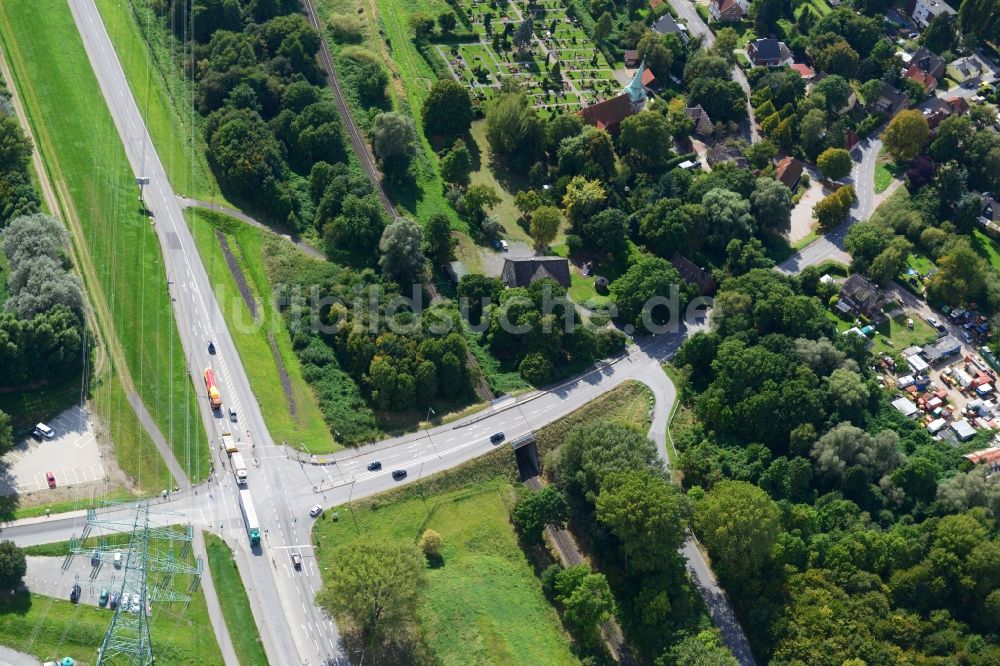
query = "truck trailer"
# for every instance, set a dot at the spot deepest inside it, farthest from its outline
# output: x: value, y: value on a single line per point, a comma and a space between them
x: 239, y: 468
x: 214, y: 397
x: 250, y: 517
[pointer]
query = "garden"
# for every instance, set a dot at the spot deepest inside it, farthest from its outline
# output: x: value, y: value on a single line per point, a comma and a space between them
x: 559, y: 66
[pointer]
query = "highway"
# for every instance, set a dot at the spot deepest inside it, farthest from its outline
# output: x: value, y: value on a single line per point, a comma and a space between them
x: 293, y: 629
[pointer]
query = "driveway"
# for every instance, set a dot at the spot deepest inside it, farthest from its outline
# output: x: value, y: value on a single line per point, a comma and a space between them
x: 802, y: 213
x: 493, y: 259
x: 72, y: 455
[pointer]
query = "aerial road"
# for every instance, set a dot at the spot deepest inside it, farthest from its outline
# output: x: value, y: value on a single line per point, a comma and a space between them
x: 293, y: 629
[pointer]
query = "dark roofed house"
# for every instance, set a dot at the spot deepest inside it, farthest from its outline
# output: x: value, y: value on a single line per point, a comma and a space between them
x: 694, y: 274
x: 720, y: 153
x: 936, y: 110
x: 990, y: 214
x: 789, y: 172
x: 768, y: 53
x: 862, y: 296
x: 666, y: 25
x: 631, y: 58
x: 942, y: 348
x: 927, y: 61
x: 524, y: 271
x: 702, y: 123
x: 889, y: 101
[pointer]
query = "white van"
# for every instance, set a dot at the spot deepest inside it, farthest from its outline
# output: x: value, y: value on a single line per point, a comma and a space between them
x: 44, y: 431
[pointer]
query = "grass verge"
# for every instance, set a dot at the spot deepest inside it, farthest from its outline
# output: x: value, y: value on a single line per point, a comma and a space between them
x: 85, y: 159
x: 249, y: 246
x: 165, y: 96
x: 234, y: 602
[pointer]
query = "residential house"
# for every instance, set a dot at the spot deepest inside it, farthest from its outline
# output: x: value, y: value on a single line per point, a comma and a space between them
x: 989, y: 457
x: 990, y: 214
x: 927, y: 81
x: 959, y: 105
x: 721, y: 152
x: 702, y: 123
x: 631, y: 58
x: 804, y: 70
x: 656, y: 5
x: 968, y: 71
x: 789, y: 172
x: 768, y: 53
x: 862, y: 296
x: 928, y: 61
x: 666, y: 25
x: 889, y: 101
x: 936, y: 110
x: 924, y: 11
x: 524, y: 271
x: 728, y: 10
x: 694, y: 274
x: 609, y: 114
x: 649, y: 81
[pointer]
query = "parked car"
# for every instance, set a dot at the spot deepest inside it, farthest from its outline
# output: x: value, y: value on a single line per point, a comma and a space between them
x: 102, y: 601
x: 502, y: 245
x: 136, y: 601
x: 118, y: 559
x: 51, y: 479
x: 374, y: 466
x: 211, y: 347
x: 399, y: 474
x: 316, y: 510
x: 43, y: 431
x: 496, y: 437
x: 113, y: 602
x: 296, y: 560
x: 232, y: 415
x: 95, y: 558
x: 74, y: 594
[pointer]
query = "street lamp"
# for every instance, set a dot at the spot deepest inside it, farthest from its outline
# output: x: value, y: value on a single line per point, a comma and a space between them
x: 427, y: 431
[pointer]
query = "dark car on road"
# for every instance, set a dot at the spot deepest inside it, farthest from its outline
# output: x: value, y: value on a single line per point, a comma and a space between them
x: 374, y: 466
x: 211, y: 347
x: 399, y: 474
x: 74, y: 594
x: 496, y: 437
x: 113, y: 602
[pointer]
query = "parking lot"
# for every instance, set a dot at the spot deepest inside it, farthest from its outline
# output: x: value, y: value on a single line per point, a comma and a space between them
x: 72, y: 455
x: 46, y: 576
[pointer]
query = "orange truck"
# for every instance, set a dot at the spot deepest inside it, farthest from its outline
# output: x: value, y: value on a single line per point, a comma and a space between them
x: 214, y: 398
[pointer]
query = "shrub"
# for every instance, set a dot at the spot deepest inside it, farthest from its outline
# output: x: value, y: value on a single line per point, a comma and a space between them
x: 346, y: 28
x: 430, y: 544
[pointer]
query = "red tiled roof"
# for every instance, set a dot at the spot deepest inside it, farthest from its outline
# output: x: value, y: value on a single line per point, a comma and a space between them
x: 959, y: 104
x: 805, y: 71
x: 788, y: 170
x: 654, y: 4
x: 609, y: 113
x: 921, y: 77
x: 647, y: 78
x: 726, y: 5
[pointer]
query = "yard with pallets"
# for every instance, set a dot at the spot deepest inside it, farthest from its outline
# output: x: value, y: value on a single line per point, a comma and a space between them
x: 586, y: 75
x: 114, y: 240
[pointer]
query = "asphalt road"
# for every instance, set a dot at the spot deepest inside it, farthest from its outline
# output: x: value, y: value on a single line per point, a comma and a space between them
x: 293, y: 629
x: 830, y: 246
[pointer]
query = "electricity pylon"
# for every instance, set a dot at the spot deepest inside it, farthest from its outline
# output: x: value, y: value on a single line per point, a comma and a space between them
x: 127, y: 640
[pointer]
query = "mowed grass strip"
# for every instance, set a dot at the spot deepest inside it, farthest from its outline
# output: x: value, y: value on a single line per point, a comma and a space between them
x: 82, y: 149
x: 484, y: 605
x: 249, y: 245
x: 234, y: 602
x: 164, y: 95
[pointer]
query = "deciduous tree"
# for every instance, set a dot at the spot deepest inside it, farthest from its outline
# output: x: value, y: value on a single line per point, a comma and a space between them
x: 906, y: 135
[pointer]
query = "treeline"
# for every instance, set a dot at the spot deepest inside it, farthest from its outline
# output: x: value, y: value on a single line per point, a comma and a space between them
x: 824, y: 510
x: 944, y: 176
x: 362, y: 351
x: 42, y: 335
x: 268, y: 120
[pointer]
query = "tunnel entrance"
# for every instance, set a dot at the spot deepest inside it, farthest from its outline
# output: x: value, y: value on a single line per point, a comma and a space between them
x: 526, y: 454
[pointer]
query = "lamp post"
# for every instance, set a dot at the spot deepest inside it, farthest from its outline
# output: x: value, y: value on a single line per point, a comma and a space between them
x: 427, y: 431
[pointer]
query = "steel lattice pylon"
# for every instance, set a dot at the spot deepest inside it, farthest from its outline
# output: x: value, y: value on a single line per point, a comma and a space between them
x: 127, y: 640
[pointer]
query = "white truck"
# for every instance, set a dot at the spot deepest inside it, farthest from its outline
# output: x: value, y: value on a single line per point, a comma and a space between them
x: 239, y: 468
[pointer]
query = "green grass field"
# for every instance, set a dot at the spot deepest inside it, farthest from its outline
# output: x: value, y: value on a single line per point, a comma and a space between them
x: 484, y: 605
x: 896, y: 330
x: 84, y: 155
x: 163, y: 93
x: 52, y: 628
x: 987, y: 247
x: 234, y: 602
x: 249, y: 245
